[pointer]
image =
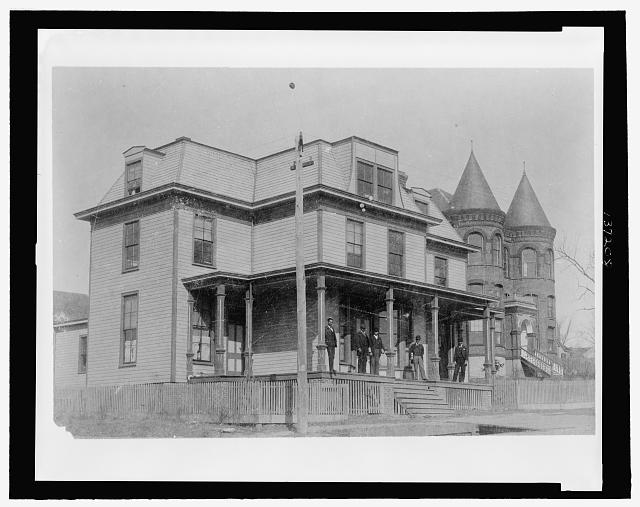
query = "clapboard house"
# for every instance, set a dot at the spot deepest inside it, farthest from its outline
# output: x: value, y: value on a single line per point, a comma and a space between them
x: 193, y: 264
x: 70, y: 331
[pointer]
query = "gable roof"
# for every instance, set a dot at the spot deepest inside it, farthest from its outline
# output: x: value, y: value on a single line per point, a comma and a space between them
x: 69, y: 306
x: 525, y: 209
x: 473, y: 191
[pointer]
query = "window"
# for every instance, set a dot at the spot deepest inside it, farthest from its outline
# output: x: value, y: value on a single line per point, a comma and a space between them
x: 423, y: 207
x: 374, y: 181
x: 476, y: 288
x: 131, y: 245
x: 134, y: 178
x: 475, y: 239
x: 355, y: 236
x: 497, y: 250
x: 551, y: 334
x: 396, y: 253
x: 497, y: 332
x: 529, y: 260
x: 203, y: 240
x: 551, y: 307
x: 548, y: 264
x: 201, y: 332
x: 505, y: 262
x: 385, y: 186
x: 82, y: 355
x: 129, y: 328
x: 440, y: 271
x: 365, y: 179
x: 476, y: 334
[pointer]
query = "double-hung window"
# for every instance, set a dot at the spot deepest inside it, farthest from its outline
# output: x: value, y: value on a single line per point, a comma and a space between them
x: 131, y: 245
x: 385, y: 186
x: 440, y: 271
x: 134, y: 177
x: 374, y: 181
x: 475, y: 239
x: 396, y: 253
x: 355, y: 244
x: 203, y: 240
x: 365, y: 179
x: 129, y: 329
x: 529, y: 263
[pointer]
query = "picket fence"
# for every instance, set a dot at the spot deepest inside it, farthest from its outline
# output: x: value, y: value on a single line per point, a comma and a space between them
x: 231, y: 402
x: 534, y: 393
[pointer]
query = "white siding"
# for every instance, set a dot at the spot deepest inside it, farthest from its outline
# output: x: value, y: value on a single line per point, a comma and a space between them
x: 458, y: 274
x: 376, y: 248
x: 414, y: 253
x: 153, y: 283
x: 67, y: 341
x: 275, y: 362
x: 275, y: 177
x: 429, y: 268
x: 274, y: 243
x: 333, y: 238
x: 233, y: 246
x: 336, y: 165
x: 218, y: 172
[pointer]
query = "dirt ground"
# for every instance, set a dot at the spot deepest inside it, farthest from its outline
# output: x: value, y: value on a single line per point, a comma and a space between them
x: 540, y: 422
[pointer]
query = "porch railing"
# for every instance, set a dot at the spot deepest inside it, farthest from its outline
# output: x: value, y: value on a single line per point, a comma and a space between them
x: 465, y: 396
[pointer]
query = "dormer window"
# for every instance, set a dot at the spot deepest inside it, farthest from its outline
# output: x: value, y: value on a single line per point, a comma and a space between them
x: 134, y: 178
x: 374, y: 181
x: 423, y: 207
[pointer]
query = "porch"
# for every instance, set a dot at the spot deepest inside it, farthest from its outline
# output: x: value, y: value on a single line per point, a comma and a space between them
x: 246, y: 326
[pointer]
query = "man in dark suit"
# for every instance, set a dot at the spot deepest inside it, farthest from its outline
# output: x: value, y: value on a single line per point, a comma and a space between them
x: 376, y: 347
x: 460, y: 357
x: 331, y: 342
x: 361, y: 346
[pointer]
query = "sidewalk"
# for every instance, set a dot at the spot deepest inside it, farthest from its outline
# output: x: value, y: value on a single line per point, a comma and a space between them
x: 539, y: 422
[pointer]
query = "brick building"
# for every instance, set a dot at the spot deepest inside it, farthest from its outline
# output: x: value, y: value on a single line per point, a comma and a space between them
x: 515, y: 265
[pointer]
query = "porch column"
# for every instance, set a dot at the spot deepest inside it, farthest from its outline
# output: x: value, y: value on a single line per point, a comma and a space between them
x: 189, y: 340
x: 486, y: 340
x: 322, y: 346
x: 452, y: 345
x: 218, y: 364
x: 492, y: 344
x: 391, y: 355
x: 435, y: 360
x: 248, y: 333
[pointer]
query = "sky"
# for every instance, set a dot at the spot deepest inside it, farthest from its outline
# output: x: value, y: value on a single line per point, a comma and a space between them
x: 543, y: 117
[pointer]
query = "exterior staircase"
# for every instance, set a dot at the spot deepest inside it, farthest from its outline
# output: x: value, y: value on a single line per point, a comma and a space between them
x: 418, y: 398
x: 540, y: 363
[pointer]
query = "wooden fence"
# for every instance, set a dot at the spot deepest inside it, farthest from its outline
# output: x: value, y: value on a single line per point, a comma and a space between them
x: 533, y: 393
x: 234, y: 402
x: 364, y: 397
x: 461, y: 396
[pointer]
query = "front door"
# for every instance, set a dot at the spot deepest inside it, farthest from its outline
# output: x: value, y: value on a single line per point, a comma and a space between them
x: 235, y: 343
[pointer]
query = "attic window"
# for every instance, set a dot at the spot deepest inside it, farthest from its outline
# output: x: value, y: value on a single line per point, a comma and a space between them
x: 423, y: 207
x: 134, y: 178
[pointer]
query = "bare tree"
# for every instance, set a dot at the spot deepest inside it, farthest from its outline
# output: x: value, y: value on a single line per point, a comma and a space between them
x: 585, y: 270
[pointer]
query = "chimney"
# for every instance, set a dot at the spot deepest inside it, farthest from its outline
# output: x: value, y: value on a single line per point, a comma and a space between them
x: 402, y: 177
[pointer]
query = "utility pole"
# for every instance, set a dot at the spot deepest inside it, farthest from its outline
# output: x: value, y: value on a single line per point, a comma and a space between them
x: 303, y: 392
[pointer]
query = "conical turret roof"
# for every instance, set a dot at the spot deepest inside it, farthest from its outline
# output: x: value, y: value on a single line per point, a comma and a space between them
x: 525, y: 208
x: 473, y: 191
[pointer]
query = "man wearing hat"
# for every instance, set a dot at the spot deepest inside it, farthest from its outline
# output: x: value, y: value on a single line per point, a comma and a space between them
x: 376, y: 347
x: 361, y: 346
x: 331, y: 343
x: 460, y: 357
x: 416, y: 352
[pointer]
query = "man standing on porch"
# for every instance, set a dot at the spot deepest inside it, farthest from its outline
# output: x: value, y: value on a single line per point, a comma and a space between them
x: 376, y: 346
x: 460, y: 357
x: 331, y: 342
x: 416, y: 352
x: 362, y: 347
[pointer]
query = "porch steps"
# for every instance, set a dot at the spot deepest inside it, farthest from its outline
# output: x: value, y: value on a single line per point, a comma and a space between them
x: 420, y: 399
